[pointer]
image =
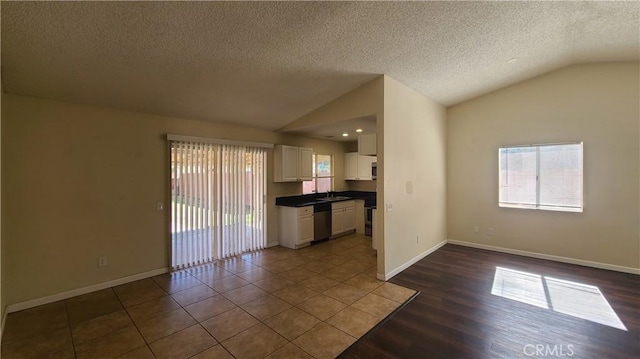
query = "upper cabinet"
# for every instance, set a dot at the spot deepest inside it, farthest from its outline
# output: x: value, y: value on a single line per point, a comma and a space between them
x: 358, y: 167
x: 367, y: 144
x: 292, y: 164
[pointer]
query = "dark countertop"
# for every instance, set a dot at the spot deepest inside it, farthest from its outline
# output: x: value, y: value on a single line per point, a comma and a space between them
x: 318, y: 198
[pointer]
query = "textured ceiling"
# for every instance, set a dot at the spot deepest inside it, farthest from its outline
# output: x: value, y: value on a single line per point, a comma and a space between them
x: 266, y: 64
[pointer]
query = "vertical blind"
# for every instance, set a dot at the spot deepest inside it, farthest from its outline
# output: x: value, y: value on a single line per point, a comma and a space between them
x: 542, y: 176
x: 217, y: 201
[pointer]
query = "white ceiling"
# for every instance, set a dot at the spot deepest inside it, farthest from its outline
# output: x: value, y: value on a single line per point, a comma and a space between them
x: 265, y: 64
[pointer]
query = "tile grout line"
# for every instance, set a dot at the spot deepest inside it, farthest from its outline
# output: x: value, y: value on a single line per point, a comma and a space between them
x: 134, y: 325
x: 200, y: 323
x: 259, y: 321
x: 341, y: 280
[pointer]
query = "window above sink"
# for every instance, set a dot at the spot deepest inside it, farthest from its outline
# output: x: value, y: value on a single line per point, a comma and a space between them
x: 322, y: 180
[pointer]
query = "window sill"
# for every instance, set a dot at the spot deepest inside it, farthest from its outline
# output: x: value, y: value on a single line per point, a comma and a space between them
x: 541, y: 208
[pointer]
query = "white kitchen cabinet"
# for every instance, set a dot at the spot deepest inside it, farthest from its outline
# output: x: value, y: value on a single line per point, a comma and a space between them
x: 305, y: 163
x: 358, y: 167
x: 350, y: 166
x: 292, y: 164
x: 296, y: 226
x: 367, y: 144
x: 343, y: 218
x: 305, y: 229
x: 349, y: 219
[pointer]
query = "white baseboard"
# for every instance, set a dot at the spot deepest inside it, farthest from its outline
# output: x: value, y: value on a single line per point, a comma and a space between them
x: 269, y: 245
x: 75, y: 292
x: 406, y: 265
x: 548, y: 257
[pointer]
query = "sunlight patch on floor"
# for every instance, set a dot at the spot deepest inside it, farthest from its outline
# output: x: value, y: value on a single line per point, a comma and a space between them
x: 521, y: 286
x: 576, y: 299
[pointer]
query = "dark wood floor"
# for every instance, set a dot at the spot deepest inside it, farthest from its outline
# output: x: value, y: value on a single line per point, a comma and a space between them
x: 456, y: 316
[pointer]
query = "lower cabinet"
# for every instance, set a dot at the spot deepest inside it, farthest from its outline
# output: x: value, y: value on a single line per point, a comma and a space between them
x: 296, y: 226
x: 343, y: 217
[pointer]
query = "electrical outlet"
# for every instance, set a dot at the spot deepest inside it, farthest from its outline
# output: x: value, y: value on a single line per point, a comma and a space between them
x: 102, y: 261
x: 490, y: 231
x: 476, y: 229
x: 389, y: 207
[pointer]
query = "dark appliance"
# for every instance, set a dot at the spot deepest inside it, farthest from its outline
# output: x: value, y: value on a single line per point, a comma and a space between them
x: 321, y: 221
x: 368, y: 221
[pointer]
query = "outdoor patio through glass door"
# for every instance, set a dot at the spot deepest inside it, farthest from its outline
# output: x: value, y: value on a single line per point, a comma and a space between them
x: 217, y: 201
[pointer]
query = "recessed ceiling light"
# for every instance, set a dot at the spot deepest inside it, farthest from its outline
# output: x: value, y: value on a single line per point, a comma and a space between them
x: 512, y: 60
x: 359, y: 130
x: 345, y: 134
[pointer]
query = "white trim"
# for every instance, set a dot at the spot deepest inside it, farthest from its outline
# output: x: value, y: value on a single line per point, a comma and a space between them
x: 412, y: 261
x: 75, y: 292
x: 548, y: 257
x: 545, y: 144
x: 273, y: 244
x: 4, y: 320
x: 217, y: 141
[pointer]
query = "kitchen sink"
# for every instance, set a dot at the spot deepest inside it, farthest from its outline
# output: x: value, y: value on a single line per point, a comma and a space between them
x: 336, y: 198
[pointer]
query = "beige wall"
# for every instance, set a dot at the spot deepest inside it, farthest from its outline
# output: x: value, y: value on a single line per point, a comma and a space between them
x: 366, y: 100
x: 369, y: 186
x: 3, y: 293
x: 414, y: 174
x: 80, y: 182
x: 597, y: 104
x: 416, y: 156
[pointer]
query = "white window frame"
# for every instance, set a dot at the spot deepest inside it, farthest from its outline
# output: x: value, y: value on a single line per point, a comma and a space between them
x: 538, y: 205
x: 315, y: 173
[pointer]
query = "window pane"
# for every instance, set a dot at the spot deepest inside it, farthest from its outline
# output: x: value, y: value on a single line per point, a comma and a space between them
x: 324, y: 184
x: 518, y: 176
x: 561, y: 175
x: 309, y: 187
x: 323, y: 165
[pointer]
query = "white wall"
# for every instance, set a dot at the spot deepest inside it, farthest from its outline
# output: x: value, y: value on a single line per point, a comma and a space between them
x: 414, y: 178
x: 598, y: 104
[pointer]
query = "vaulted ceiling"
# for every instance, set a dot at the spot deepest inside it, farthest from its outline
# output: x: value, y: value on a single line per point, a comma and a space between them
x: 265, y: 64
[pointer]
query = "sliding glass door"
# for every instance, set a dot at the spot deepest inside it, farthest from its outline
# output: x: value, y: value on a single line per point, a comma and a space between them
x: 217, y: 201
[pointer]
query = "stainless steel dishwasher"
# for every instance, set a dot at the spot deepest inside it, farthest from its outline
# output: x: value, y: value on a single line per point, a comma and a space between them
x: 321, y: 221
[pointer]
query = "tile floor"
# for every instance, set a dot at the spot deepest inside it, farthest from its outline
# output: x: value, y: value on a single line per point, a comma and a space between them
x: 276, y: 303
